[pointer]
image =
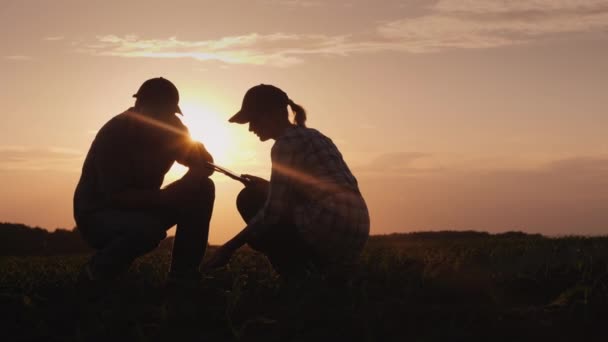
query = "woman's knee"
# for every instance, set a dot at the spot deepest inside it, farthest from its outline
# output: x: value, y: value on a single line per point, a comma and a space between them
x: 258, y: 243
x: 250, y: 201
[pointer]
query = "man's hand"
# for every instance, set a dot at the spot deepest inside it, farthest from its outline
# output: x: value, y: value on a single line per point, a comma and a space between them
x: 198, y: 158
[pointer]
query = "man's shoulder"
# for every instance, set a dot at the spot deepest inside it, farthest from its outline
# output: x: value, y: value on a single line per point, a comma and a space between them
x: 131, y: 120
x: 114, y: 124
x: 175, y: 122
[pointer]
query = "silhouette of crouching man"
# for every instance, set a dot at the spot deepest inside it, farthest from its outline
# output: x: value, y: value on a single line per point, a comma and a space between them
x: 119, y: 206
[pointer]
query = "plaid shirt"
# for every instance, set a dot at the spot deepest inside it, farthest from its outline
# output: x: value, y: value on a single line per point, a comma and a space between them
x: 131, y: 151
x: 312, y: 187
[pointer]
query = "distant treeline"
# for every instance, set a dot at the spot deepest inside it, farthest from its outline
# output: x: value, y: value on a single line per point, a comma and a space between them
x: 19, y: 239
x: 452, y: 234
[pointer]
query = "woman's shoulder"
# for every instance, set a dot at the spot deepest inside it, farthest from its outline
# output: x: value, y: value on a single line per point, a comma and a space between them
x: 300, y: 139
x: 315, y: 137
x: 292, y: 140
x: 298, y: 135
x: 299, y: 132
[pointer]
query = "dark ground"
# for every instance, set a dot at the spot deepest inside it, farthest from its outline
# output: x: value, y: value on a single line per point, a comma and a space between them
x: 408, y: 287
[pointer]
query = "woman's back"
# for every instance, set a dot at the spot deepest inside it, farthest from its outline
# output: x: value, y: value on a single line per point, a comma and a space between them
x: 327, y: 205
x: 313, y: 163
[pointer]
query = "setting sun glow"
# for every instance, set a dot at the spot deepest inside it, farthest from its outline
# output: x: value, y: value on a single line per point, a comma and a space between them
x: 211, y: 129
x: 229, y: 145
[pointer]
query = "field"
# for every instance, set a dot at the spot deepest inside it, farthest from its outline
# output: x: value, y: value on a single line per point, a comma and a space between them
x: 410, y: 287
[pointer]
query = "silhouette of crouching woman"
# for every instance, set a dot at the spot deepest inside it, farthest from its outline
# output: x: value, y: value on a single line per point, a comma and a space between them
x: 311, y: 212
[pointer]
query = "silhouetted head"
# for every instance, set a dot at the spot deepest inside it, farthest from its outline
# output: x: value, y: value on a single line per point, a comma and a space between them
x: 265, y: 109
x: 158, y: 96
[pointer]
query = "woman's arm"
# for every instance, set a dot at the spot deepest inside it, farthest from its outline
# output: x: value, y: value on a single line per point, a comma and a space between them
x: 276, y: 206
x: 223, y: 254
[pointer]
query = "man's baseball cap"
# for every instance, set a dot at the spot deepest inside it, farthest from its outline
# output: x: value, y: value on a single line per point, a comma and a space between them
x: 159, y: 92
x: 259, y: 99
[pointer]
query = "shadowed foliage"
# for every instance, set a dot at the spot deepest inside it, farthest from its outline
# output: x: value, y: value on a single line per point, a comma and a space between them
x: 425, y: 286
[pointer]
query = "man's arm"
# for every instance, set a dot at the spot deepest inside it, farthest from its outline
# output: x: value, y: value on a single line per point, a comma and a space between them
x: 185, y: 150
x: 195, y: 155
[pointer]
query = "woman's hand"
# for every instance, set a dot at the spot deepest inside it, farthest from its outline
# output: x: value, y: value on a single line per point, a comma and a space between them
x: 256, y: 182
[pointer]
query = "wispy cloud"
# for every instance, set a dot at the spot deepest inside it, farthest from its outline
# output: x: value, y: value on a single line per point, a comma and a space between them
x: 295, y: 3
x: 40, y: 158
x: 485, y: 24
x: 19, y: 58
x: 54, y: 38
x: 276, y: 49
x: 445, y: 24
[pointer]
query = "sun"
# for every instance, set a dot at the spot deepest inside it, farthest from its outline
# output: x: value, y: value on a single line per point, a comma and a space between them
x: 211, y: 129
x: 227, y: 143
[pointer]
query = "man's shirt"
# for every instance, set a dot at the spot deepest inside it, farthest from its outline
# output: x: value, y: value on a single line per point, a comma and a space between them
x: 131, y: 151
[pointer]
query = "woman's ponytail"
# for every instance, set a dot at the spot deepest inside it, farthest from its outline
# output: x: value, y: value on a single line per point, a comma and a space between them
x: 299, y: 113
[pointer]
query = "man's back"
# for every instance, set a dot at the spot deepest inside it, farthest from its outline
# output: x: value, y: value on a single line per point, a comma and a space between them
x: 131, y: 151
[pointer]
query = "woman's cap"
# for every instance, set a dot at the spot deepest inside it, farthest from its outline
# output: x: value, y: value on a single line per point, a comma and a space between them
x: 257, y: 100
x: 159, y: 92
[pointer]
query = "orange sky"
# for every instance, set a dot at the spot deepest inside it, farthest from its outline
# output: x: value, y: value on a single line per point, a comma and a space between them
x: 486, y: 115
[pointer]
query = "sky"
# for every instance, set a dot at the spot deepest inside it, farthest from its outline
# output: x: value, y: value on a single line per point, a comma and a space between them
x: 485, y: 115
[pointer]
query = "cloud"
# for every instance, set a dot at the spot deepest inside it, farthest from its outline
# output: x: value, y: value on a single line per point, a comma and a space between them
x: 277, y: 49
x: 40, y: 159
x: 54, y: 38
x: 294, y: 3
x: 19, y: 58
x: 526, y: 6
x: 485, y: 24
x: 580, y: 166
x: 445, y: 24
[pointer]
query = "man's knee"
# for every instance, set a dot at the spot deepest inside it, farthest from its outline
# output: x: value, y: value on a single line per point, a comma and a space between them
x: 199, y: 202
x: 191, y: 192
x: 205, y: 195
x: 207, y: 188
